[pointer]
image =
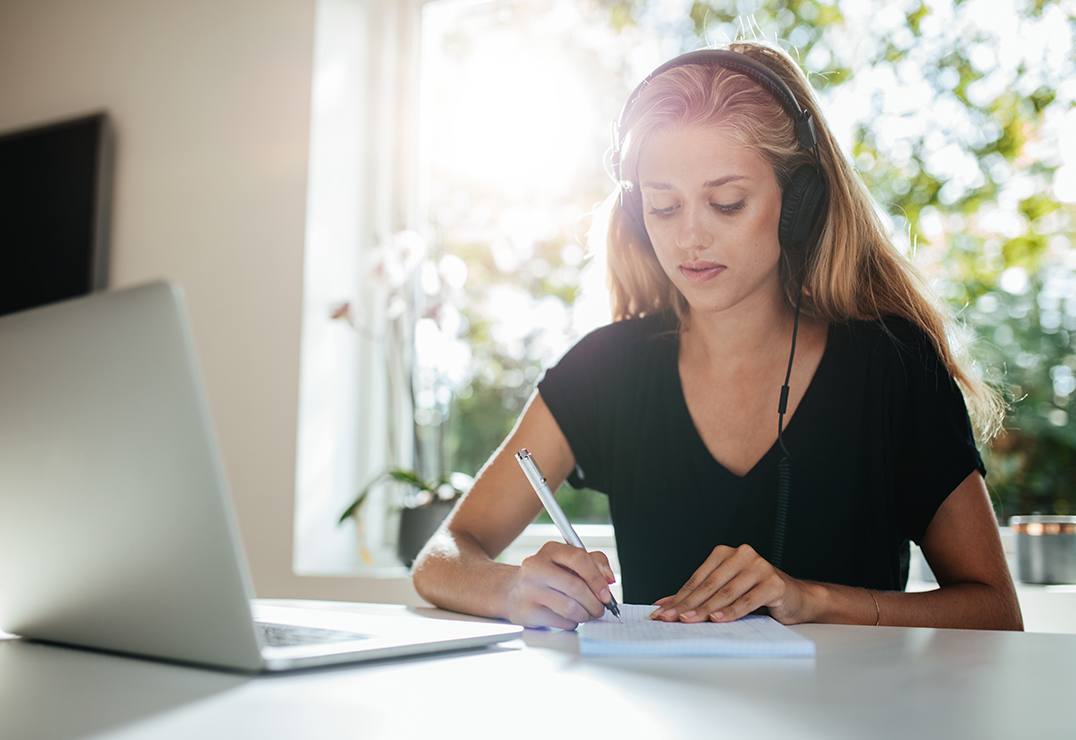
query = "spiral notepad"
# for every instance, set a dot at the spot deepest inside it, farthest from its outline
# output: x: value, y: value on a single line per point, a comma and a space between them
x: 751, y: 636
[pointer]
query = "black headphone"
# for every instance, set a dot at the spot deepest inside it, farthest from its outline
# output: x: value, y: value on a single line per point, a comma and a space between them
x: 803, y: 205
x: 803, y: 201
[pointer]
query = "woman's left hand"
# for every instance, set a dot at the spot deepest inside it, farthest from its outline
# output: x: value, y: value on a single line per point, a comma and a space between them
x: 732, y: 582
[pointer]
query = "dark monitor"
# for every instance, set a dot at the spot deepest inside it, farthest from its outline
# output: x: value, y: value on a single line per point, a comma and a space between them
x: 55, y: 184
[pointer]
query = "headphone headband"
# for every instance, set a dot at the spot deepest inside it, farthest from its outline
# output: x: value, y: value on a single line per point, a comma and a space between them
x: 734, y: 60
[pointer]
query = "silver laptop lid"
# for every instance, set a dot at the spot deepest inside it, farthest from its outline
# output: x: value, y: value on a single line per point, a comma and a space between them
x: 116, y: 528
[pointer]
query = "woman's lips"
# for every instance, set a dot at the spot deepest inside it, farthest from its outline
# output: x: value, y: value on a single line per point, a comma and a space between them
x: 700, y: 272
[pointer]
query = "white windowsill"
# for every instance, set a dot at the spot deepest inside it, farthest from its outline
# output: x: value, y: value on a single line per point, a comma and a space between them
x: 388, y: 582
x: 594, y: 536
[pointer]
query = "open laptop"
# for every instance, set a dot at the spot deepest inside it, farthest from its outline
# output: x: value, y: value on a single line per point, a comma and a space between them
x: 116, y: 525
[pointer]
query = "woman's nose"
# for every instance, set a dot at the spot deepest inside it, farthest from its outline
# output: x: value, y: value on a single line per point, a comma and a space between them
x: 692, y: 233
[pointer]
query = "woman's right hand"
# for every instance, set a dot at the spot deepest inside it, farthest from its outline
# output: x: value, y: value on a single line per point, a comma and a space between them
x: 560, y: 586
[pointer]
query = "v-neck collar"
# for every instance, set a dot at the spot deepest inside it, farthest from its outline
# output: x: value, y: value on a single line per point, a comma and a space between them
x: 790, y: 422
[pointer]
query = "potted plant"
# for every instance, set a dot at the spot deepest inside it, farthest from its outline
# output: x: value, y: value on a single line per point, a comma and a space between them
x: 422, y: 509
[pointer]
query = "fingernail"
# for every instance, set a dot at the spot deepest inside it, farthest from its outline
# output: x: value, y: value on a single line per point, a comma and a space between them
x: 611, y: 578
x: 670, y: 613
x: 688, y: 614
x: 605, y: 595
x: 718, y: 615
x: 656, y: 613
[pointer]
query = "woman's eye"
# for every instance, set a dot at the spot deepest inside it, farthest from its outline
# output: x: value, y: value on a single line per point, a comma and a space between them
x: 722, y: 207
x: 662, y: 211
x: 730, y: 208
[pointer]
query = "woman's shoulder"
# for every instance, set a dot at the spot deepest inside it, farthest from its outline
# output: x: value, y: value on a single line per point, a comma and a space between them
x: 607, y: 362
x: 615, y: 349
x: 894, y: 345
x: 632, y: 334
x: 893, y: 333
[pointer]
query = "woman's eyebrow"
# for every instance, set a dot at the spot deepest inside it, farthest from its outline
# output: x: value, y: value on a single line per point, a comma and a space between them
x: 723, y: 180
x: 708, y: 184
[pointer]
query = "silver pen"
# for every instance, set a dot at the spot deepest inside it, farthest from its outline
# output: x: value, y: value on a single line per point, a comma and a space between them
x: 538, y: 483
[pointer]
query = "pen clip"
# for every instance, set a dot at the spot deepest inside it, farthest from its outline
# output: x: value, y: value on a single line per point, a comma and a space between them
x: 530, y: 466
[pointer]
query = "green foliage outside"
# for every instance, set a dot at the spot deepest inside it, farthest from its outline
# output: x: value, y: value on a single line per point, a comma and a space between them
x: 971, y: 181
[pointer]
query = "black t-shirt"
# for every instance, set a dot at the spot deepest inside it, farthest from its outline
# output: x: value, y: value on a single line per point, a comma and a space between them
x: 879, y: 440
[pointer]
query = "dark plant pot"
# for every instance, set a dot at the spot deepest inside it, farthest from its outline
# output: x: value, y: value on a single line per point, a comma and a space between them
x: 417, y: 526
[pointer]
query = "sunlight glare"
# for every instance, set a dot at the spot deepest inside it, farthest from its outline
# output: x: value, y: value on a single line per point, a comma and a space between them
x: 521, y: 121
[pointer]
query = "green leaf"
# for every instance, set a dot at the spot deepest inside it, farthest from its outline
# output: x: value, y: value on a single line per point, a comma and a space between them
x: 1041, y: 98
x: 409, y: 477
x: 622, y: 16
x: 354, y: 507
x: 1024, y: 250
x: 1036, y: 206
x: 400, y: 475
x: 703, y: 15
x: 828, y: 15
x: 916, y: 16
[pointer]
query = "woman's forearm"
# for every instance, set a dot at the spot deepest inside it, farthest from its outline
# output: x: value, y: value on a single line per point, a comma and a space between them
x: 961, y: 605
x: 454, y: 572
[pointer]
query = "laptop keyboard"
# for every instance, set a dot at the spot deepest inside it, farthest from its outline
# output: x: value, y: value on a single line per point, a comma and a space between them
x: 288, y: 635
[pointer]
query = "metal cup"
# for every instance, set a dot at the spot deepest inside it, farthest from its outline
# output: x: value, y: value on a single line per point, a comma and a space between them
x: 1045, y: 548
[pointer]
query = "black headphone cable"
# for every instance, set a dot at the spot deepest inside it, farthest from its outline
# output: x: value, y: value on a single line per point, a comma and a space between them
x: 784, y: 466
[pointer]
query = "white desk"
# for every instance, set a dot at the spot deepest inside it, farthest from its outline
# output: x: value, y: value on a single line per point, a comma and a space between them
x: 865, y: 682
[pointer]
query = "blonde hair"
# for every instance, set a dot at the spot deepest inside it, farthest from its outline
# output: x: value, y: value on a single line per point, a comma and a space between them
x: 854, y: 273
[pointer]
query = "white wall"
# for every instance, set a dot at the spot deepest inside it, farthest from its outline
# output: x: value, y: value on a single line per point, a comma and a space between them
x: 211, y: 104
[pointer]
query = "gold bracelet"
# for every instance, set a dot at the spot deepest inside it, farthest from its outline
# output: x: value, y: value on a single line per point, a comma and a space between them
x: 877, y: 611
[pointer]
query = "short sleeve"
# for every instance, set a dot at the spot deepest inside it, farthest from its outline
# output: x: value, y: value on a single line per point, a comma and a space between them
x: 932, y: 430
x: 579, y: 390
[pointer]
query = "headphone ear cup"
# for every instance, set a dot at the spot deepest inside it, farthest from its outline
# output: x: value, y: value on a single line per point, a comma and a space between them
x: 802, y: 205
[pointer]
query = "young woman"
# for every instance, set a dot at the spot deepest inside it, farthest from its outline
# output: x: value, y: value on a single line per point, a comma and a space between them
x: 724, y: 251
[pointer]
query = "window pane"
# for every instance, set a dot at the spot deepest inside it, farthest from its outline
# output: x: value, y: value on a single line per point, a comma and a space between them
x: 511, y: 165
